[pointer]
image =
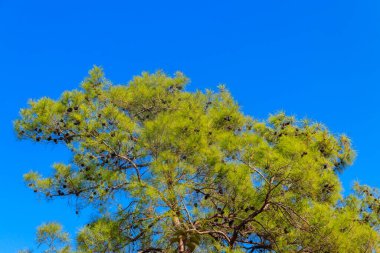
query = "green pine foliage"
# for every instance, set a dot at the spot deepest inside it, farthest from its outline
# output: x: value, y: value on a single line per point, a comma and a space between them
x: 167, y: 170
x: 53, y: 238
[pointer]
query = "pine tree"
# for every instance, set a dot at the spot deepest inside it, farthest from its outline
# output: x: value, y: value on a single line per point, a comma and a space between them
x: 167, y: 170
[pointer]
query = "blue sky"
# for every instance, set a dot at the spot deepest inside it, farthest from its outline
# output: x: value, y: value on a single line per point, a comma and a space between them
x: 316, y: 59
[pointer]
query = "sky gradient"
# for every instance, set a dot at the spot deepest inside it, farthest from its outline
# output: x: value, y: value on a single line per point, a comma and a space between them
x: 315, y: 59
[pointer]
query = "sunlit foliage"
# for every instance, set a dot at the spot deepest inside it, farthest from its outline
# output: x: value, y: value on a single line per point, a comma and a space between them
x: 167, y: 170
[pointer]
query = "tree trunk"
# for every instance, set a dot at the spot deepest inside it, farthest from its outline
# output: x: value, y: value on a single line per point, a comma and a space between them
x: 181, y: 245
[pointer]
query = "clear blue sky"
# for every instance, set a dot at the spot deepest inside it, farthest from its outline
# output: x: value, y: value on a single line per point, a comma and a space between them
x: 318, y: 59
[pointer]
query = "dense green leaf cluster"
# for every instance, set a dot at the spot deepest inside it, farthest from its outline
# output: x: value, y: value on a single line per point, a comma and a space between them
x: 169, y: 170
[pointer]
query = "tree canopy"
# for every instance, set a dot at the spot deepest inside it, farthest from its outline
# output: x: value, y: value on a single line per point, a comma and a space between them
x: 168, y: 170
